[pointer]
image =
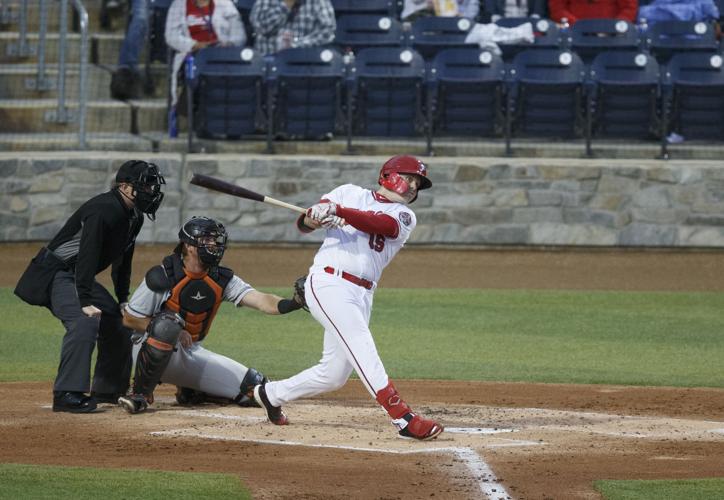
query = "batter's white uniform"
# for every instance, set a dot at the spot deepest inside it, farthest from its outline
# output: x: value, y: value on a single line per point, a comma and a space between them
x: 194, y: 367
x: 342, y: 307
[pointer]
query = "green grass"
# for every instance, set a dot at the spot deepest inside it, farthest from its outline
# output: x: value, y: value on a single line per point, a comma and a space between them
x: 628, y: 338
x: 58, y: 483
x: 690, y: 489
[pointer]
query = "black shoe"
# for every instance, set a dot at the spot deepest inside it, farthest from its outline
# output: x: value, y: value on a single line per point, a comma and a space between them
x: 74, y: 402
x: 274, y: 413
x: 125, y: 84
x: 133, y: 403
x: 106, y: 397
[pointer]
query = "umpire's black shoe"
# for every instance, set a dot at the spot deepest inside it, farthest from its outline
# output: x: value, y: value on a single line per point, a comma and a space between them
x: 106, y: 397
x: 73, y: 402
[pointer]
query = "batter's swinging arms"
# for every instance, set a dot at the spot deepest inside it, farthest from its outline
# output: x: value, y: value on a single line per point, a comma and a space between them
x: 365, y: 230
x: 175, y: 305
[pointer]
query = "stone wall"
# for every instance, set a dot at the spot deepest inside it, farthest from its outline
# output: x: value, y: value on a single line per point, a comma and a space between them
x: 493, y: 201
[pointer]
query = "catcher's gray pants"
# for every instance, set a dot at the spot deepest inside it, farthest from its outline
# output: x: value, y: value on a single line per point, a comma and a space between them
x: 202, y: 370
x: 113, y: 366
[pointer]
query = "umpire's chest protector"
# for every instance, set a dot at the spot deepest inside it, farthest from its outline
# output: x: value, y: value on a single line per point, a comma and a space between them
x: 195, y: 296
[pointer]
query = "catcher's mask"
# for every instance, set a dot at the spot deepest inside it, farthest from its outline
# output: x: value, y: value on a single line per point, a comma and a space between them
x: 208, y: 235
x: 146, y: 181
x: 391, y: 179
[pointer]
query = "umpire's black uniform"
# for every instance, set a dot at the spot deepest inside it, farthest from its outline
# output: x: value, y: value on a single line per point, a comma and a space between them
x: 62, y: 277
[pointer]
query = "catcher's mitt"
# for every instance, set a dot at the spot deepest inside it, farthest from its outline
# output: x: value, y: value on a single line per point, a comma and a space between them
x: 299, y: 297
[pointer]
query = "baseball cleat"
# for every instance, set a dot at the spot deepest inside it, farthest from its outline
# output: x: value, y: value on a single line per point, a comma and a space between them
x: 420, y: 428
x: 275, y: 413
x: 74, y: 402
x: 133, y: 403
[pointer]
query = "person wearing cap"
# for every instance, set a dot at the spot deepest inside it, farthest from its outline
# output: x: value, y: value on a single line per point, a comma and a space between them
x: 101, y: 233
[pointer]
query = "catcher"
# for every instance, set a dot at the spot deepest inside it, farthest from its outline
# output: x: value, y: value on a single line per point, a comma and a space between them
x: 175, y: 306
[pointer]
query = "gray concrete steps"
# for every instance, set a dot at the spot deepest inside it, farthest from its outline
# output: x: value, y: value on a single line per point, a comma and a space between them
x: 23, y: 116
x: 11, y: 15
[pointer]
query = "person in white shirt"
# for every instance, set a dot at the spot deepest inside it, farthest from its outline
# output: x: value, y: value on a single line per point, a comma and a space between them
x: 364, y: 231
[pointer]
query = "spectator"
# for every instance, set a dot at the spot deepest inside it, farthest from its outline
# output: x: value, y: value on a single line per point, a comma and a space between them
x: 447, y: 8
x: 678, y: 10
x: 192, y: 25
x: 282, y: 24
x: 573, y: 10
x: 126, y: 80
x: 496, y: 9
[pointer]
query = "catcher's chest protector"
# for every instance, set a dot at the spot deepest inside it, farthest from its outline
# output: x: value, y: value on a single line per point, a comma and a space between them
x: 195, y: 296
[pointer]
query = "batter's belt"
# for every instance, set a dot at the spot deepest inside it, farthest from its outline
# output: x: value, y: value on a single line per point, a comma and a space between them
x: 351, y: 278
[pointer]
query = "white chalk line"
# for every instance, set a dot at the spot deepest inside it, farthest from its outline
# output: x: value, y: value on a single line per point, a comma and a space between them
x: 481, y: 471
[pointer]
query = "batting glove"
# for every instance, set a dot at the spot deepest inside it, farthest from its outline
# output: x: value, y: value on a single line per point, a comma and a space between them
x: 321, y: 210
x: 332, y: 222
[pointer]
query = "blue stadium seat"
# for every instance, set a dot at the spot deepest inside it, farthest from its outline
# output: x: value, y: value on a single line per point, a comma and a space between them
x: 466, y: 93
x: 623, y: 96
x: 386, y: 92
x: 547, y: 35
x: 380, y: 7
x: 694, y: 95
x: 306, y: 88
x: 228, y: 92
x: 432, y: 34
x: 666, y: 38
x: 590, y: 37
x: 356, y: 32
x: 545, y: 98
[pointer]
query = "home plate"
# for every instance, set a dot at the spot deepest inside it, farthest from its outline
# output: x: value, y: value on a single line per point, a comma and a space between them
x: 477, y: 430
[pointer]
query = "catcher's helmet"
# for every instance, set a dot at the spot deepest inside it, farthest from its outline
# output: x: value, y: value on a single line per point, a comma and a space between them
x: 146, y: 181
x: 402, y: 164
x: 208, y: 235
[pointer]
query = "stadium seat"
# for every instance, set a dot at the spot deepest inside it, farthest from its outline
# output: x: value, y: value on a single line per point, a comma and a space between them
x: 356, y: 32
x: 228, y: 92
x: 545, y: 97
x: 590, y: 37
x: 622, y: 97
x: 666, y: 38
x: 385, y: 93
x: 432, y: 34
x: 379, y: 7
x: 465, y: 93
x: 547, y: 35
x: 305, y: 85
x: 694, y: 96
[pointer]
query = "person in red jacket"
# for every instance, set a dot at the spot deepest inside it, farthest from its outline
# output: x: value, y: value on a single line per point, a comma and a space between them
x: 573, y: 10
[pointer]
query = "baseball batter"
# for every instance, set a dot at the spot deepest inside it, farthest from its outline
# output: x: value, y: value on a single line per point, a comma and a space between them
x: 364, y: 231
x: 175, y: 305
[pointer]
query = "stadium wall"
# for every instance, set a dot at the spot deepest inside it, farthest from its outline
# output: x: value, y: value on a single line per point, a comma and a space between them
x: 484, y: 201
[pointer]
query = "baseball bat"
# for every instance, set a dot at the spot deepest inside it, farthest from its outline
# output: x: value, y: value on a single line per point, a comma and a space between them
x: 228, y: 188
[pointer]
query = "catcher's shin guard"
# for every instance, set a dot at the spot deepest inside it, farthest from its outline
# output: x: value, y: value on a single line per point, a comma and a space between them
x: 156, y: 351
x: 408, y: 423
x: 246, y: 389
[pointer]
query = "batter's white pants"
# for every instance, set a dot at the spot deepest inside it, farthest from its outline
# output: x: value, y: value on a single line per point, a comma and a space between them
x: 202, y: 370
x: 343, y: 309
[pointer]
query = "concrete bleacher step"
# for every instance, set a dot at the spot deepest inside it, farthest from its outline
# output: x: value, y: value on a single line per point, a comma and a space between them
x: 10, y: 16
x: 20, y: 81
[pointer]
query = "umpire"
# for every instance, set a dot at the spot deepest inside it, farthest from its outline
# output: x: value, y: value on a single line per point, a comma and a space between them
x: 62, y: 277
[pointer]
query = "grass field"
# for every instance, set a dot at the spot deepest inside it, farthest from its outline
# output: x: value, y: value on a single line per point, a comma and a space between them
x: 31, y: 481
x: 629, y: 338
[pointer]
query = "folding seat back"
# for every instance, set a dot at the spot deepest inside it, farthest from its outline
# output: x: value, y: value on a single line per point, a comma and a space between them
x: 228, y: 91
x: 468, y: 89
x: 547, y: 35
x: 307, y: 84
x: 696, y: 83
x: 667, y: 38
x: 355, y: 32
x: 546, y: 95
x: 379, y: 7
x: 432, y: 34
x: 624, y: 95
x: 387, y: 90
x: 590, y: 37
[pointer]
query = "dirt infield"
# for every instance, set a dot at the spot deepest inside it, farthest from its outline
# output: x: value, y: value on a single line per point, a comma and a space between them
x: 531, y: 441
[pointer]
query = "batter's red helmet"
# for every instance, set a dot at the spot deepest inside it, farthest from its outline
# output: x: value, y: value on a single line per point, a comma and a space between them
x: 402, y: 164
